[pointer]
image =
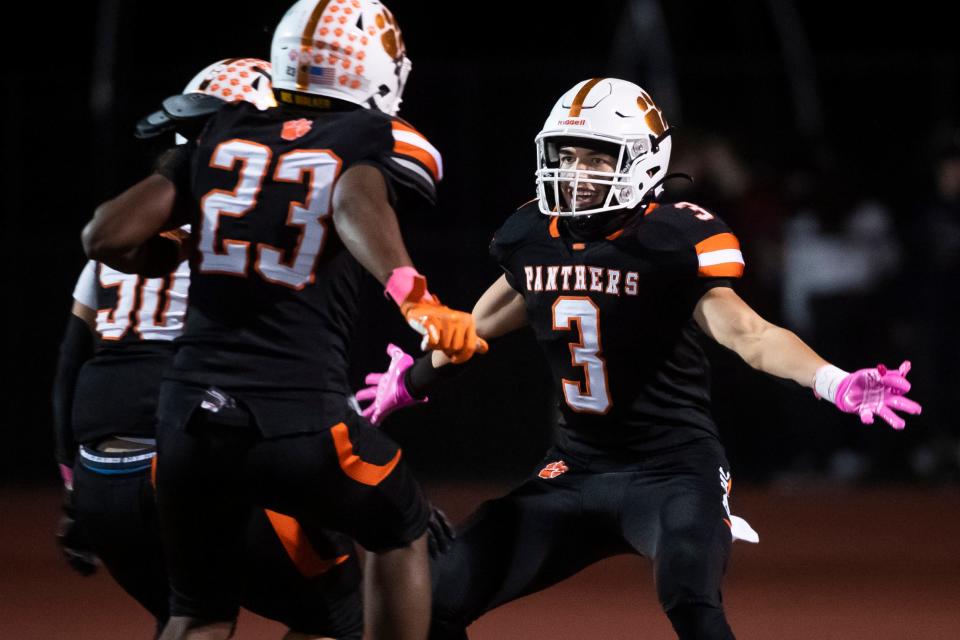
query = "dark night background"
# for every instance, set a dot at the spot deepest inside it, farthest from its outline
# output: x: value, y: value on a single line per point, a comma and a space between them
x: 780, y: 108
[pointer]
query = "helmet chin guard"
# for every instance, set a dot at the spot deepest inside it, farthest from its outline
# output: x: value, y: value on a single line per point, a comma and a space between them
x: 604, y: 113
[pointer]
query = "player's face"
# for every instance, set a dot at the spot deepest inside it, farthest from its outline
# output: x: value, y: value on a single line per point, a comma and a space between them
x: 588, y: 195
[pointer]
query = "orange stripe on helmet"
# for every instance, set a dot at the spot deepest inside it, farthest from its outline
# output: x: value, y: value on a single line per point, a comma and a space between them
x: 581, y: 96
x: 718, y: 242
x: 305, y: 558
x: 724, y: 270
x: 363, y: 472
x: 306, y: 42
x: 424, y: 157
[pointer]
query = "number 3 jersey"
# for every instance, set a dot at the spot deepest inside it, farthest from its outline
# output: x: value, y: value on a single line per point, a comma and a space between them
x: 137, y: 320
x: 274, y: 291
x: 614, y: 318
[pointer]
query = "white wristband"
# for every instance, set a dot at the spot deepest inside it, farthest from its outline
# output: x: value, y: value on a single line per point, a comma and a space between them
x: 826, y: 380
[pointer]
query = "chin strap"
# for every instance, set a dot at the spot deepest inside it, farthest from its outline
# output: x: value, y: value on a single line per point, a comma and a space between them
x: 670, y: 176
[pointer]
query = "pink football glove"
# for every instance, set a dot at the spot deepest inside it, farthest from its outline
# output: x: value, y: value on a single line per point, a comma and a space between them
x: 868, y: 392
x: 387, y: 389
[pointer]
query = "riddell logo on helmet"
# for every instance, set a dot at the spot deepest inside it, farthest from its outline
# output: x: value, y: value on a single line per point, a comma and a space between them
x: 553, y: 470
x: 572, y: 122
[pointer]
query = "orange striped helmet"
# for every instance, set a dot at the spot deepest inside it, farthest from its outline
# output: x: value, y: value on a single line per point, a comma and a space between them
x: 608, y: 114
x: 350, y: 50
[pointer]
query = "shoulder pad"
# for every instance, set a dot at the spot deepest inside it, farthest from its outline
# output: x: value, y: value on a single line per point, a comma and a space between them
x: 717, y: 248
x: 412, y: 160
x: 522, y: 225
x: 187, y: 106
x: 184, y: 113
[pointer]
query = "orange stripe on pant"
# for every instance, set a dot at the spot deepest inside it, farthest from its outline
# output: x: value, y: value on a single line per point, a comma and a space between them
x: 304, y: 557
x: 363, y: 472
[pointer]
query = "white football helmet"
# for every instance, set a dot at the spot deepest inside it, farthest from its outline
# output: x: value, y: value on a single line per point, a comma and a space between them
x: 236, y: 79
x: 350, y: 50
x: 623, y: 118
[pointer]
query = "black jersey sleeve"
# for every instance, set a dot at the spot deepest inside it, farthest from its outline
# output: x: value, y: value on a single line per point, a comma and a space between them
x: 718, y: 260
x: 412, y: 161
x: 519, y: 229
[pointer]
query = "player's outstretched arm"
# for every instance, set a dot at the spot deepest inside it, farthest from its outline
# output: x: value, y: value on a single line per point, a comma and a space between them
x: 407, y: 382
x: 125, y: 231
x: 368, y: 227
x: 726, y: 318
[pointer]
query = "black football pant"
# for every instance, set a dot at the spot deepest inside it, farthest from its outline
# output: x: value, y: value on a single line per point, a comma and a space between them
x: 669, y: 507
x: 349, y: 478
x: 306, y: 578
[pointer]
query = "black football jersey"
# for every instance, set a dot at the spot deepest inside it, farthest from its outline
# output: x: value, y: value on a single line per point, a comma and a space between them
x: 274, y: 292
x: 137, y: 320
x: 614, y: 318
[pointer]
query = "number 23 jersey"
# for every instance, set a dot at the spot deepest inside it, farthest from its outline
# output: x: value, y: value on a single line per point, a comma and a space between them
x: 274, y: 292
x: 615, y: 320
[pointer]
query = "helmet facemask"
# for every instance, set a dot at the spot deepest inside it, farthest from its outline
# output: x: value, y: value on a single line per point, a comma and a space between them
x: 632, y: 180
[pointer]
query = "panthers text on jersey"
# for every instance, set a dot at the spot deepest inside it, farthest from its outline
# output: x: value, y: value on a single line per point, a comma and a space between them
x: 274, y: 292
x: 615, y: 320
x: 137, y: 320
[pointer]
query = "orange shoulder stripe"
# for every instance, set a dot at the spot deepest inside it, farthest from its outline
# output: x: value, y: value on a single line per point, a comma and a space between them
x: 423, y: 157
x: 718, y: 242
x: 725, y: 270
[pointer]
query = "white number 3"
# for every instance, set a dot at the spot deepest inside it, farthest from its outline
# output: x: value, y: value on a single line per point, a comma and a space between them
x: 595, y: 398
x: 699, y: 212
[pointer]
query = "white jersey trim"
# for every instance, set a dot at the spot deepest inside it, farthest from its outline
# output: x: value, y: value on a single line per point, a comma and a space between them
x: 721, y: 256
x: 85, y: 291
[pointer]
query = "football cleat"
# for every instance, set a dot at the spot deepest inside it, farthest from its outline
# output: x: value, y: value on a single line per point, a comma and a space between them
x: 612, y: 116
x: 349, y: 50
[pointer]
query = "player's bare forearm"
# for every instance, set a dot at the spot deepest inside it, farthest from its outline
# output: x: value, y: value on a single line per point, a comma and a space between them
x: 764, y: 346
x: 367, y: 224
x: 499, y: 311
x: 124, y: 231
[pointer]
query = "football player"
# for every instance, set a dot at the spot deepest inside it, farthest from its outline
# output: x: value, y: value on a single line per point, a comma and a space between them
x: 618, y: 289
x: 106, y: 401
x: 289, y: 206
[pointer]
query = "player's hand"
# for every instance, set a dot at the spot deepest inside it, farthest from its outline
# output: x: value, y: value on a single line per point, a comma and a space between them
x: 443, y: 328
x: 440, y: 533
x: 877, y: 392
x: 76, y: 550
x: 387, y: 390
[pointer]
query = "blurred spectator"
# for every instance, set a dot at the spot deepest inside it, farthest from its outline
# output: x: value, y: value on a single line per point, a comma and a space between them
x: 935, y: 253
x: 853, y: 263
